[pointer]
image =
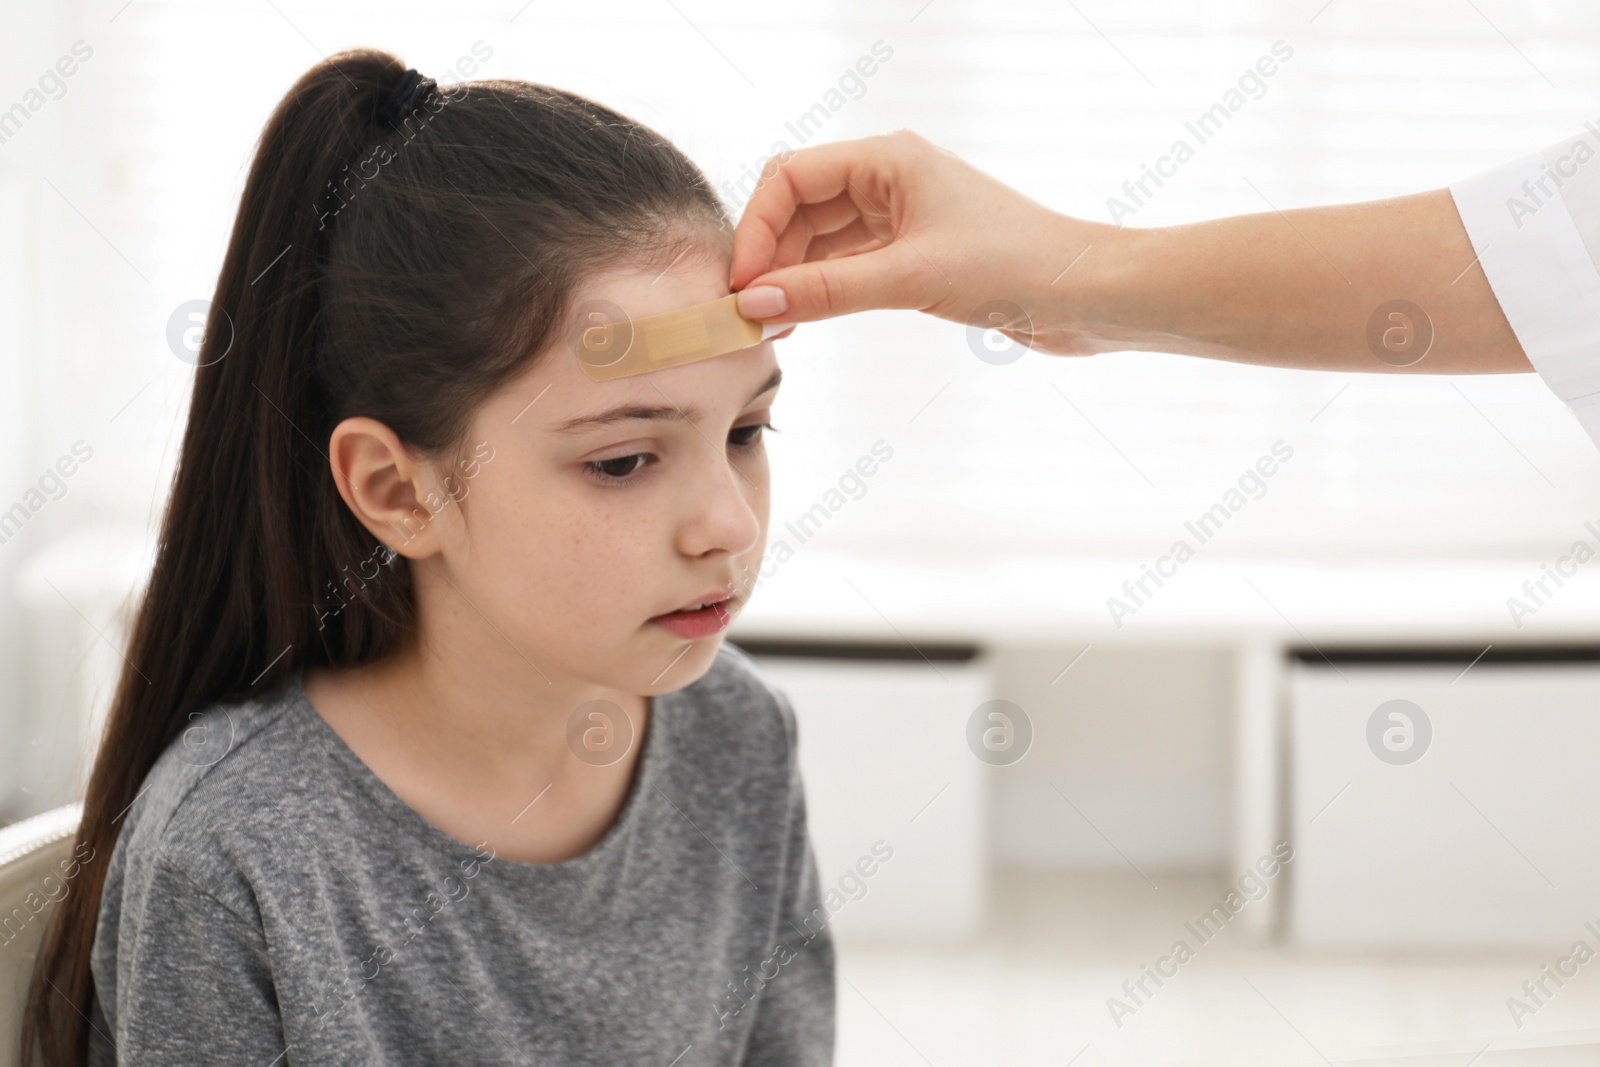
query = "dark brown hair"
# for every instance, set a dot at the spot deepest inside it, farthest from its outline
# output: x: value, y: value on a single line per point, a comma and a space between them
x: 399, y: 270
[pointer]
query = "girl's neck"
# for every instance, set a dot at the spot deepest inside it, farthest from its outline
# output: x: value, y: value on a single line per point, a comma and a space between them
x: 483, y: 754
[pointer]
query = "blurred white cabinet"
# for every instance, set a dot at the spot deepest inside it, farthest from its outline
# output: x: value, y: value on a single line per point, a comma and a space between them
x: 884, y: 753
x: 1432, y: 807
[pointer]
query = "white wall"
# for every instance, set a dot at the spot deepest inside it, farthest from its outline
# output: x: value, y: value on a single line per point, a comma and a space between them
x: 1130, y: 764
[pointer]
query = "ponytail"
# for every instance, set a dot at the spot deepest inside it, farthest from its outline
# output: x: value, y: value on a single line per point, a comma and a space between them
x: 400, y: 267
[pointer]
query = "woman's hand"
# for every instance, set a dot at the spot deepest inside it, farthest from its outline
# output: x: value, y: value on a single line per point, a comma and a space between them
x: 894, y: 221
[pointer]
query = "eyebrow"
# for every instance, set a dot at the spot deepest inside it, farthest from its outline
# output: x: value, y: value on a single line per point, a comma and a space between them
x: 627, y: 412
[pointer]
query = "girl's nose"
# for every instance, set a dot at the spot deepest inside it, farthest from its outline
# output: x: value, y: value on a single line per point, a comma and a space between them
x: 719, y: 515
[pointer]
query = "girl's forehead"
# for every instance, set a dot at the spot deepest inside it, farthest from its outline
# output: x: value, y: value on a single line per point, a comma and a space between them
x: 633, y: 293
x: 557, y: 393
x: 719, y: 385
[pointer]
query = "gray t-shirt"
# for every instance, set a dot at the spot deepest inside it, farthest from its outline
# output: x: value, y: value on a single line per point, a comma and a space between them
x: 271, y: 901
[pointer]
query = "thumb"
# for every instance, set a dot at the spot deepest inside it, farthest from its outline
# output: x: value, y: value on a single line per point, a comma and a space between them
x: 882, y: 278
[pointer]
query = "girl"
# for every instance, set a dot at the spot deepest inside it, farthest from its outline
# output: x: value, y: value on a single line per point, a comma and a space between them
x: 427, y: 749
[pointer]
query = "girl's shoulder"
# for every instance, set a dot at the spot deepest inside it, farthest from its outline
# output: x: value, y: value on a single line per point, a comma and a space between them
x: 226, y: 776
x: 734, y: 711
x: 735, y: 682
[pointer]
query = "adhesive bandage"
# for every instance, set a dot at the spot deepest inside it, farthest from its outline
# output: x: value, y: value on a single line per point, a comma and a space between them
x: 610, y: 346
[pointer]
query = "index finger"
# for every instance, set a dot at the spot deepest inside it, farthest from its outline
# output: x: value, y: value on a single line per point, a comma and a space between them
x: 809, y: 176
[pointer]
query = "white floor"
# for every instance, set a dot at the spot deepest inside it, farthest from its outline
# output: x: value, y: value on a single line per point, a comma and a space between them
x: 1034, y: 990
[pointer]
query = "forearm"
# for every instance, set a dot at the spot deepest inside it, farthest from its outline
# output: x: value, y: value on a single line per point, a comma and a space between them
x: 1296, y: 289
x: 896, y: 222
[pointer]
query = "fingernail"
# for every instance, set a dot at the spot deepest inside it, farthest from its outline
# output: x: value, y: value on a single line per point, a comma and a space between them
x: 762, y: 302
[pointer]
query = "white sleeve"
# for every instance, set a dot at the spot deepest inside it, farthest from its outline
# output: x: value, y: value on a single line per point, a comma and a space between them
x: 1535, y: 224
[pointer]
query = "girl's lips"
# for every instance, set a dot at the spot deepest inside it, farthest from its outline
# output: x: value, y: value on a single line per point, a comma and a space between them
x: 706, y: 599
x: 694, y: 624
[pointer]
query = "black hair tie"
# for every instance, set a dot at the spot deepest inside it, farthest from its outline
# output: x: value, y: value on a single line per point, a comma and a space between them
x: 402, y: 100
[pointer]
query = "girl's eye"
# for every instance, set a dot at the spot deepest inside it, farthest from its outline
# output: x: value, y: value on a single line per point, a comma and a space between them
x: 616, y: 470
x: 620, y: 470
x: 748, y: 437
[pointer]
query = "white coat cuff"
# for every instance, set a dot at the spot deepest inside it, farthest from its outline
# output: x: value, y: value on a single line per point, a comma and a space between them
x: 1539, y: 245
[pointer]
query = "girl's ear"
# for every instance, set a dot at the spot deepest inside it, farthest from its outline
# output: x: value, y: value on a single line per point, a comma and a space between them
x: 385, y: 486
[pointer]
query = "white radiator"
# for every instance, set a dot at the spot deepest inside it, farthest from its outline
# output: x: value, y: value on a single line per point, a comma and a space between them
x: 884, y: 752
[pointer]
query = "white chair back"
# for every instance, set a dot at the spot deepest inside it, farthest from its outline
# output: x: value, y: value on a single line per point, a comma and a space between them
x: 34, y: 853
